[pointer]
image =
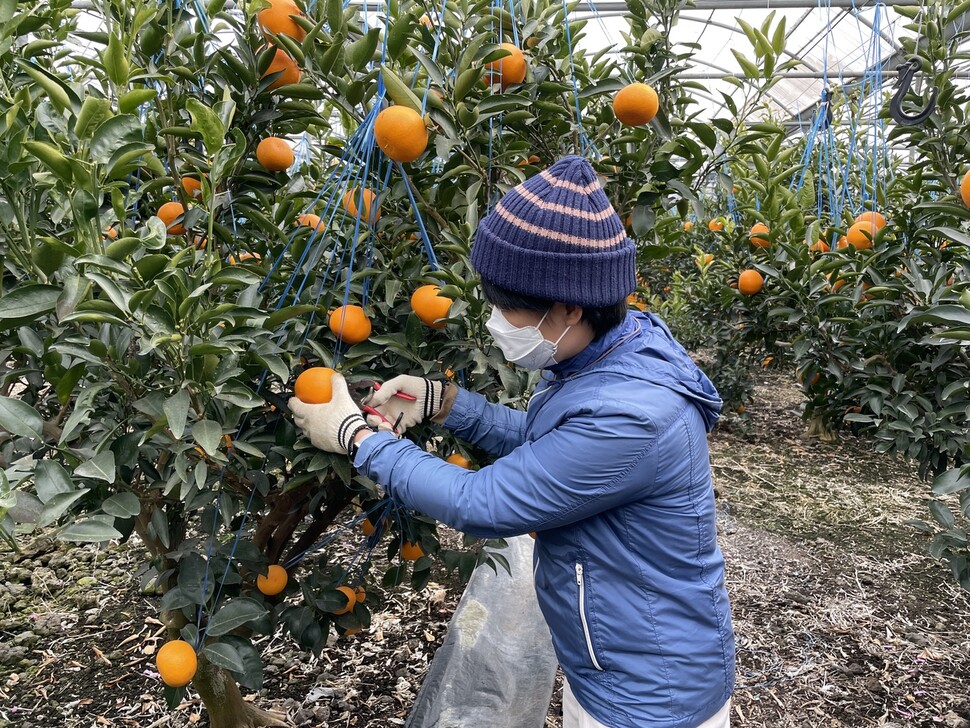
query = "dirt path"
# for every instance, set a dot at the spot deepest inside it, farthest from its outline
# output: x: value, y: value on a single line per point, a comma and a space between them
x: 841, y: 620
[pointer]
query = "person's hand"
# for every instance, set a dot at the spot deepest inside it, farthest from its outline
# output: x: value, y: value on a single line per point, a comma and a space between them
x: 422, y: 401
x: 333, y: 425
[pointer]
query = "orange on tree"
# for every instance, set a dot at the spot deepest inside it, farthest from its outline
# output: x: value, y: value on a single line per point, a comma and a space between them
x: 276, y: 20
x: 367, y: 527
x: 635, y: 104
x: 350, y: 324
x: 759, y: 235
x: 242, y: 257
x: 460, y: 460
x: 860, y: 235
x: 308, y: 219
x: 351, y: 600
x: 429, y: 307
x: 273, y: 581
x: 425, y: 20
x: 715, y: 224
x: 750, y: 282
x: 192, y: 187
x: 411, y: 551
x: 111, y: 232
x: 313, y: 386
x: 871, y: 216
x: 534, y: 159
x: 360, y: 594
x: 283, y: 64
x: 965, y: 189
x: 507, y: 70
x: 177, y: 663
x: 688, y: 226
x: 274, y: 154
x: 168, y: 214
x: 372, y: 212
x: 400, y: 133
x: 843, y: 242
x: 819, y: 247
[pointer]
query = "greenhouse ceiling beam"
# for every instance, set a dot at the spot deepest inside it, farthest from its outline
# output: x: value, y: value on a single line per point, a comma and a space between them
x: 619, y: 6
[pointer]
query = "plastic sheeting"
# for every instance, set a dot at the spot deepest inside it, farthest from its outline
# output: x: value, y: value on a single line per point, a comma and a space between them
x: 496, y: 667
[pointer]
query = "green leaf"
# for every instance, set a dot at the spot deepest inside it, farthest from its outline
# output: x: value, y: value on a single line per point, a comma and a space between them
x: 94, y: 110
x: 176, y: 410
x: 942, y: 514
x: 952, y: 481
x: 20, y: 419
x: 100, y: 467
x: 234, y: 614
x: 114, y: 133
x: 91, y: 530
x: 54, y: 87
x: 129, y: 102
x: 361, y: 51
x: 115, y: 63
x: 465, y: 82
x: 778, y: 37
x: 52, y: 157
x: 58, y: 506
x: 223, y: 655
x: 749, y: 68
x: 26, y: 304
x: 398, y: 91
x: 51, y: 479
x: 122, y: 505
x: 208, y: 434
x: 206, y: 122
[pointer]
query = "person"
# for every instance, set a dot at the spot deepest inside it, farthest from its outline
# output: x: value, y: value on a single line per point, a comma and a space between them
x: 609, y: 465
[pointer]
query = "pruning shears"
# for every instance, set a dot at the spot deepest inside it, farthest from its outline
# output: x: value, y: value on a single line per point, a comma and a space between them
x: 362, y: 390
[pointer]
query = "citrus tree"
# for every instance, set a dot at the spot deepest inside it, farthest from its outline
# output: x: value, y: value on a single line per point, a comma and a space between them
x: 200, y: 203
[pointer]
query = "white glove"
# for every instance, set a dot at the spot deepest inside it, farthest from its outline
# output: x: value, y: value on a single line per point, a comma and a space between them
x: 428, y: 396
x: 333, y: 425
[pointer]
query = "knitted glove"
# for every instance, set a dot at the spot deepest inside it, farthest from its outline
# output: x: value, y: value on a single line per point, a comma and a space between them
x: 404, y: 413
x: 333, y: 425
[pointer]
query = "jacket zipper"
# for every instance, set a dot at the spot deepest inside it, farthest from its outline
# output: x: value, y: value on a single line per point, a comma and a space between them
x: 582, y: 616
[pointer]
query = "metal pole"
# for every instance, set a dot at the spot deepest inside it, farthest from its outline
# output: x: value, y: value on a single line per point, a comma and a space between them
x: 618, y: 6
x: 791, y: 74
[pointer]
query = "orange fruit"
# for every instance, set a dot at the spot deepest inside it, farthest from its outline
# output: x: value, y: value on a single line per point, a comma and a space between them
x: 635, y: 104
x: 351, y: 599
x: 740, y: 409
x: 715, y: 225
x: 350, y: 205
x: 308, y: 219
x: 632, y: 300
x: 192, y: 187
x: 425, y: 21
x: 367, y: 527
x: 759, y: 235
x: 750, y: 282
x: 534, y: 159
x: 176, y: 663
x: 242, y: 257
x: 350, y: 324
x: 273, y: 581
x: 168, y: 213
x: 313, y: 386
x: 837, y: 284
x: 820, y: 247
x: 276, y: 20
x: 400, y: 133
x: 508, y: 69
x: 875, y: 218
x: 843, y: 242
x: 360, y: 594
x: 111, y: 233
x: 861, y: 234
x: 429, y: 306
x: 274, y: 154
x: 965, y: 189
x: 282, y: 62
x: 688, y: 226
x: 411, y: 551
x: 460, y: 460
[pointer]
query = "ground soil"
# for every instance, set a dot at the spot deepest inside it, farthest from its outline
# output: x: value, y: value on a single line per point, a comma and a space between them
x: 841, y: 619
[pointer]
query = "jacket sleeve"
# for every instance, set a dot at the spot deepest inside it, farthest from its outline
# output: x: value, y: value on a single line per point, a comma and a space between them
x: 585, y: 466
x: 495, y: 428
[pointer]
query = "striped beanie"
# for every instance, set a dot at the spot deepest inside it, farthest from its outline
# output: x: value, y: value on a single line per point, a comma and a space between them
x: 556, y: 236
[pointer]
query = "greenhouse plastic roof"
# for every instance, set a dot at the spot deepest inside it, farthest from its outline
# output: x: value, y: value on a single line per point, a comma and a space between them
x: 836, y: 45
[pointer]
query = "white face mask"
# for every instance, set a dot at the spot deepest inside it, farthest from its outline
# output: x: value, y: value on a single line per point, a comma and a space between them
x: 523, y: 345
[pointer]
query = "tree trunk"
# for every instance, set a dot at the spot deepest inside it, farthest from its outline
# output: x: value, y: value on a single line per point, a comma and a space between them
x: 224, y: 702
x: 817, y: 430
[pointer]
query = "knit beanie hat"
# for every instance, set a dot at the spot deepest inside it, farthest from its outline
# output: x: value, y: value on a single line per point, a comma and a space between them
x: 556, y: 236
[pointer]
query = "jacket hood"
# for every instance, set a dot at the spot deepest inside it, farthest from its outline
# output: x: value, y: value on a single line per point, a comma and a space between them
x: 662, y: 361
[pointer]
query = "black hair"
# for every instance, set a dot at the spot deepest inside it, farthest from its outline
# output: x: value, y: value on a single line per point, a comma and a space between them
x: 600, y: 318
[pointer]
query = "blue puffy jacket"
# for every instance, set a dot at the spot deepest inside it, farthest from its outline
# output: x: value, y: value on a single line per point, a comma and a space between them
x: 610, y: 466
